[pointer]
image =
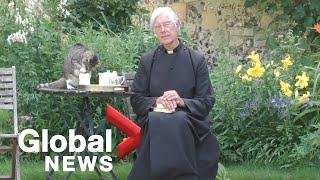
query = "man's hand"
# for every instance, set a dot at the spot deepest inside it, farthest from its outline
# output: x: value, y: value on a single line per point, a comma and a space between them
x: 169, y: 105
x: 172, y: 95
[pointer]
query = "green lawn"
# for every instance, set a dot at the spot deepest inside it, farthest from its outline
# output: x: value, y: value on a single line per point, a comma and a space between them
x: 247, y: 171
x: 35, y: 170
x: 31, y: 170
x: 259, y: 172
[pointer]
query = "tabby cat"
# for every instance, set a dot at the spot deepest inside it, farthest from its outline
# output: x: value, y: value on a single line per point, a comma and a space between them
x: 79, y: 60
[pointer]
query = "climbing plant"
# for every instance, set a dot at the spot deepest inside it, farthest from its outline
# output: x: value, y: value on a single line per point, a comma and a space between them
x: 298, y: 15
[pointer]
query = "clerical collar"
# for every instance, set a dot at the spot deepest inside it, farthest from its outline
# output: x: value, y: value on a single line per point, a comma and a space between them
x: 172, y: 51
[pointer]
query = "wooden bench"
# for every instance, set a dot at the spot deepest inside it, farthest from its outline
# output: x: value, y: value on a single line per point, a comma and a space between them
x: 8, y: 102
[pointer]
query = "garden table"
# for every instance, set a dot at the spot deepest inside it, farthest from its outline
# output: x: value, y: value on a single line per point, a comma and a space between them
x: 84, y: 124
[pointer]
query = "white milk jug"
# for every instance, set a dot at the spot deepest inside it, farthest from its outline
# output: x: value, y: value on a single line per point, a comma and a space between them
x: 110, y: 78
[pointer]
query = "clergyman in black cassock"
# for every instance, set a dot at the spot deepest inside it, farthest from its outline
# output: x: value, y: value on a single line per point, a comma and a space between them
x: 177, y: 145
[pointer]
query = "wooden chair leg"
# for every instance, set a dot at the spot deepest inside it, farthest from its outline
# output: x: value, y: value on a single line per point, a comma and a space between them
x: 17, y: 157
x: 13, y: 160
x: 15, y: 170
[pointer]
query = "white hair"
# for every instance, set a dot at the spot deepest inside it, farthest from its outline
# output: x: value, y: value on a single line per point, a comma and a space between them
x: 163, y: 10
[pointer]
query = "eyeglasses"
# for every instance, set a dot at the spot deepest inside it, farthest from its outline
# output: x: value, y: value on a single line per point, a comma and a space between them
x: 165, y: 25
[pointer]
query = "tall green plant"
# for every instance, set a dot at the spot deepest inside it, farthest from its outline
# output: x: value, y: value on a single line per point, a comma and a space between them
x: 35, y: 49
x: 299, y: 15
x: 302, y: 14
x: 38, y: 51
x: 114, y: 14
x: 265, y: 105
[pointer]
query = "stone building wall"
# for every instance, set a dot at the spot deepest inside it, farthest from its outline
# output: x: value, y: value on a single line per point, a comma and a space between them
x: 213, y: 24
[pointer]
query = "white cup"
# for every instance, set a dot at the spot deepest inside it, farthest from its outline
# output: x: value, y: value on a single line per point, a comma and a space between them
x: 84, y: 78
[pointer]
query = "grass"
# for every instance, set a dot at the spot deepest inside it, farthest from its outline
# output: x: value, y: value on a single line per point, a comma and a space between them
x: 248, y: 171
x: 32, y: 170
x: 251, y: 171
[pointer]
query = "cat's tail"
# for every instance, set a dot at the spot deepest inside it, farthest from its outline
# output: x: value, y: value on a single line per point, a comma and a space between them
x: 58, y: 84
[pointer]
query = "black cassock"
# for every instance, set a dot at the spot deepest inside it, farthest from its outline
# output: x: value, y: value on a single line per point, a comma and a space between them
x: 176, y: 146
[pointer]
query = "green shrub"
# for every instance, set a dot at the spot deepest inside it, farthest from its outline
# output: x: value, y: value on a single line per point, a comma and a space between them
x: 308, y: 148
x: 40, y: 56
x: 120, y: 52
x: 113, y: 14
x: 300, y: 14
x: 39, y: 51
x: 257, y: 118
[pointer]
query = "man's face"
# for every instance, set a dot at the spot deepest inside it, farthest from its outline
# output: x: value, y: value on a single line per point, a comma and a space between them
x: 165, y: 30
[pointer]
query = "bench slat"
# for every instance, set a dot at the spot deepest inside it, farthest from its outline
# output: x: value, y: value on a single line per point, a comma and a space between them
x: 6, y: 106
x: 8, y: 136
x: 6, y: 79
x: 6, y: 92
x: 5, y: 70
x: 6, y: 178
x: 6, y: 100
x: 6, y: 85
x: 5, y: 148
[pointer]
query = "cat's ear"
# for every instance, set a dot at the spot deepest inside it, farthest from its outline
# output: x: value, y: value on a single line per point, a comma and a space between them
x: 94, y: 61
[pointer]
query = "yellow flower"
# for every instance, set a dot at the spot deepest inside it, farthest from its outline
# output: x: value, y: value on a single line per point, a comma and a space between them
x: 302, y: 81
x: 287, y: 62
x: 256, y: 71
x: 276, y: 73
x: 246, y: 78
x: 254, y: 57
x: 304, y: 98
x: 256, y: 64
x: 285, y: 88
x: 238, y: 69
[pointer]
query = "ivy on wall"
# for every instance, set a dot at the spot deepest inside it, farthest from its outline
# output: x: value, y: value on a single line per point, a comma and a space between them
x: 303, y: 14
x: 299, y: 15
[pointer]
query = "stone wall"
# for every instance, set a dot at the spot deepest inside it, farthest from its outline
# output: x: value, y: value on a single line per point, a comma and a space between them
x: 213, y: 24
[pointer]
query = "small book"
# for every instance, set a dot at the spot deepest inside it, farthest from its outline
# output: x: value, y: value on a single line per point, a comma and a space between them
x: 160, y: 108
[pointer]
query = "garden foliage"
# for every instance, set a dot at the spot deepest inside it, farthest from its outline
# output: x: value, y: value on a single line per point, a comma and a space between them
x: 35, y: 37
x: 298, y: 15
x: 113, y: 14
x: 38, y: 49
x: 266, y: 110
x: 267, y: 107
x: 303, y: 13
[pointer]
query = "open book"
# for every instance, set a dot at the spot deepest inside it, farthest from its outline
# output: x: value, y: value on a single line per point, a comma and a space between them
x: 161, y: 108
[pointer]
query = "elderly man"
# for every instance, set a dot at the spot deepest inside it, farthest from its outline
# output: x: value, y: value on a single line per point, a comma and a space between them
x: 172, y: 98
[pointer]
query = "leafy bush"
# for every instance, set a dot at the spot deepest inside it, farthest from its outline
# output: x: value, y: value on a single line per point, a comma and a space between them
x: 39, y: 56
x: 308, y: 148
x: 301, y: 14
x: 120, y: 52
x: 261, y: 111
x: 32, y: 58
x: 38, y: 51
x: 113, y: 14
